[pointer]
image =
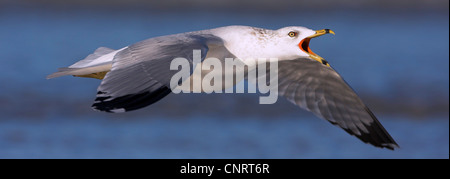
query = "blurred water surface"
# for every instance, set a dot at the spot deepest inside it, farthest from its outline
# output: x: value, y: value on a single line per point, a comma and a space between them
x: 398, y: 62
x: 200, y: 137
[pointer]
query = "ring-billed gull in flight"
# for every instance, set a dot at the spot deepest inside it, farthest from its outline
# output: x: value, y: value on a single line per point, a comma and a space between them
x: 139, y: 75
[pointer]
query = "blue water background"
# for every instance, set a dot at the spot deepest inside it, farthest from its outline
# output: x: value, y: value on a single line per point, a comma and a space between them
x: 399, y: 57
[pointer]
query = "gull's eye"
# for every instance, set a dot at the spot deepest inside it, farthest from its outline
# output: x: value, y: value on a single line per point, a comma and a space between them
x: 292, y: 34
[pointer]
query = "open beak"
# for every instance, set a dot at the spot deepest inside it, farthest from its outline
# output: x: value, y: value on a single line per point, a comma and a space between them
x: 304, y: 45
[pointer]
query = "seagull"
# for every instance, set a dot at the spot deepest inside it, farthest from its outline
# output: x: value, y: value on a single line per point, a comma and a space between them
x: 138, y: 75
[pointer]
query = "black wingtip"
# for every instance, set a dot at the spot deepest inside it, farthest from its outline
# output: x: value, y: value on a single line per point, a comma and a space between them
x: 378, y: 136
x: 128, y: 102
x: 391, y: 146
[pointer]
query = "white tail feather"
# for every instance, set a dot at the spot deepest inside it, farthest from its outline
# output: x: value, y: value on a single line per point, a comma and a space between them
x: 101, y: 55
x: 99, y: 61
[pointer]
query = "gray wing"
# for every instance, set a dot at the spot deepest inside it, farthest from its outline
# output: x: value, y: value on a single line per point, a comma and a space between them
x: 320, y: 89
x: 140, y: 74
